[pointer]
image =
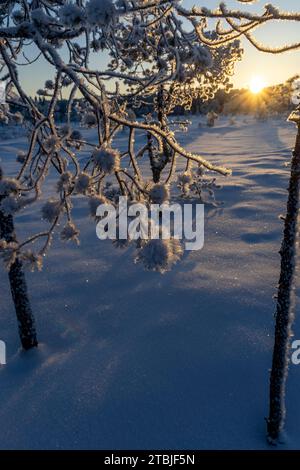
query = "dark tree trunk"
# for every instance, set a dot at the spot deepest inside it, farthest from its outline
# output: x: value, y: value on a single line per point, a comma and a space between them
x: 155, y: 167
x: 158, y: 163
x: 285, y: 303
x: 162, y: 117
x: 18, y: 287
x: 26, y: 323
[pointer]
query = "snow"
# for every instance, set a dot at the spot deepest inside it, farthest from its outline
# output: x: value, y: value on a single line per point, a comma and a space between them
x: 138, y: 360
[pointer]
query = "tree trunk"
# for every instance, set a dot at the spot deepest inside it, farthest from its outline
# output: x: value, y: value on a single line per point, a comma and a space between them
x: 154, y: 163
x: 162, y: 117
x: 158, y: 163
x: 285, y: 303
x: 18, y: 287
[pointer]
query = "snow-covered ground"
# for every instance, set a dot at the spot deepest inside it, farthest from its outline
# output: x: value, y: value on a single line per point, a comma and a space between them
x: 132, y: 359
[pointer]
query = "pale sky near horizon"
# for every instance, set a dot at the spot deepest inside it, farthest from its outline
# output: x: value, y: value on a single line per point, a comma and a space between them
x: 272, y: 68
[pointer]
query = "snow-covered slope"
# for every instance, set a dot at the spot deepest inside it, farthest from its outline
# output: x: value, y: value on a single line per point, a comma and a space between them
x: 132, y: 359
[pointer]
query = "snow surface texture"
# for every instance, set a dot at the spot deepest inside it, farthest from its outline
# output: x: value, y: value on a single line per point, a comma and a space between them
x: 134, y: 359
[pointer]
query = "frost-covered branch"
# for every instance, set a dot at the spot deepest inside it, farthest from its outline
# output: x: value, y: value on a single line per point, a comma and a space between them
x: 241, y: 23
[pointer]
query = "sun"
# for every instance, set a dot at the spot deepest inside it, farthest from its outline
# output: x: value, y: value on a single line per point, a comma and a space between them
x: 257, y: 84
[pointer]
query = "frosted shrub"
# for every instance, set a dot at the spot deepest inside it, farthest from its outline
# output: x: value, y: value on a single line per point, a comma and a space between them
x: 51, y: 210
x: 82, y: 183
x: 100, y: 12
x: 160, y: 255
x: 107, y: 159
x: 9, y: 186
x: 159, y: 193
x: 40, y: 18
x: 51, y: 144
x: 70, y: 232
x: 201, y: 57
x: 64, y: 182
x: 184, y: 181
x: 71, y: 15
x: 18, y: 16
x: 49, y: 84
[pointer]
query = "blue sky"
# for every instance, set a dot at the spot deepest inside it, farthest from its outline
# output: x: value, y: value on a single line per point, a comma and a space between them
x: 272, y: 68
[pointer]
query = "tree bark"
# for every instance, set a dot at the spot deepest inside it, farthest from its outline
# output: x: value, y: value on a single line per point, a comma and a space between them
x: 155, y: 166
x: 162, y: 117
x: 285, y: 304
x: 158, y: 163
x: 18, y: 287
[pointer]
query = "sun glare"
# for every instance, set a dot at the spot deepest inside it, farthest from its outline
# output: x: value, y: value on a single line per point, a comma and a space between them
x: 257, y: 84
